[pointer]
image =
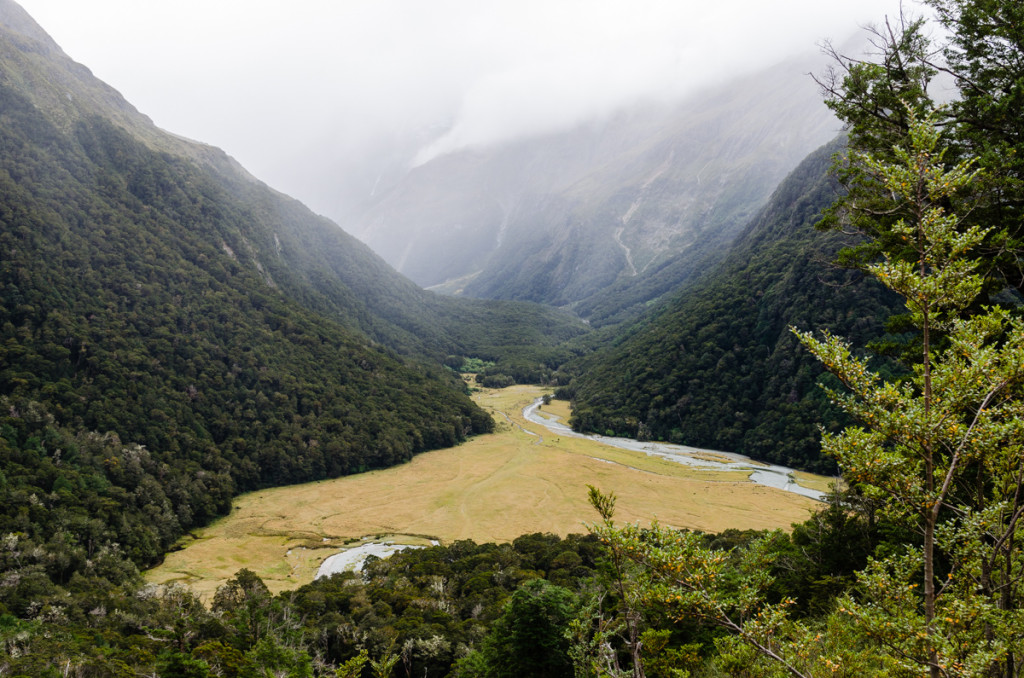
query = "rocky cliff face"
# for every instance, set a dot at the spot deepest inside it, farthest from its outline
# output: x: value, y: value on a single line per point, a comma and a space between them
x: 560, y: 218
x: 716, y: 365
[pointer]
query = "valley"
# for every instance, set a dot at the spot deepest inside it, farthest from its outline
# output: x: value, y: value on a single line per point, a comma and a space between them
x: 519, y: 480
x: 210, y: 394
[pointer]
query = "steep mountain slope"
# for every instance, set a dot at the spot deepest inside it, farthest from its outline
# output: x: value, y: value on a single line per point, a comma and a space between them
x: 215, y: 335
x: 315, y: 263
x: 561, y: 218
x: 307, y: 257
x: 130, y: 303
x: 717, y: 366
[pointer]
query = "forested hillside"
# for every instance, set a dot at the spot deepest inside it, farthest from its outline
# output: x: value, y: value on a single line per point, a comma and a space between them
x: 129, y: 306
x: 306, y: 257
x: 173, y: 332
x: 319, y: 266
x: 718, y: 367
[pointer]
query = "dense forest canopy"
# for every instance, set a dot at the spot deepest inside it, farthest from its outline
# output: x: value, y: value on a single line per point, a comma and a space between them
x: 167, y: 341
x: 123, y: 313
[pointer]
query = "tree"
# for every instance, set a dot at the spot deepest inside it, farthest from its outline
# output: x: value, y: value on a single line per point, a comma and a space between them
x: 724, y: 589
x: 943, y: 450
x: 353, y: 668
x: 604, y: 504
x: 529, y: 639
x: 383, y: 666
x: 940, y: 452
x: 248, y: 605
x: 980, y: 51
x: 984, y: 55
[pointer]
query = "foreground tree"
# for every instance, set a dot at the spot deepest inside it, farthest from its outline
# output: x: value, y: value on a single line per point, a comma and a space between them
x: 529, y: 638
x: 941, y: 453
x: 976, y: 62
x: 604, y: 504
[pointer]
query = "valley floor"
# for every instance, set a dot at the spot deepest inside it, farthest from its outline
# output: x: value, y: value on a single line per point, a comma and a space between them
x: 519, y: 480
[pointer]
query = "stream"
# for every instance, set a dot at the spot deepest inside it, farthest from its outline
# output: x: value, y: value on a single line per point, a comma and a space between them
x: 353, y: 558
x: 769, y: 475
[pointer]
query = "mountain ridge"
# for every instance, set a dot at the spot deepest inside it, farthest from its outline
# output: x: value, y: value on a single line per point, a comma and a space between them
x: 566, y: 219
x: 391, y: 309
x: 715, y: 366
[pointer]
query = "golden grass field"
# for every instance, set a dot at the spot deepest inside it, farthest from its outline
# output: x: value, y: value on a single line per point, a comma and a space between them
x: 491, y: 488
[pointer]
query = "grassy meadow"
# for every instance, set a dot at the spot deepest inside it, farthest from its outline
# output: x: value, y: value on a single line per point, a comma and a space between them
x: 519, y: 480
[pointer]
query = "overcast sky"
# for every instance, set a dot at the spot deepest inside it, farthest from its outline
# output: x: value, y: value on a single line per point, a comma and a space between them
x: 301, y: 91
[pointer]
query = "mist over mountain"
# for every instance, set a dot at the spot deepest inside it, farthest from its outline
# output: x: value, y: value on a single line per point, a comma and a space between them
x: 716, y: 365
x: 560, y: 218
x: 161, y: 305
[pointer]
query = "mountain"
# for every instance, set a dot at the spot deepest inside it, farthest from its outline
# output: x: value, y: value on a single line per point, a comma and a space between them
x: 173, y: 331
x: 716, y: 366
x: 319, y: 264
x: 567, y: 217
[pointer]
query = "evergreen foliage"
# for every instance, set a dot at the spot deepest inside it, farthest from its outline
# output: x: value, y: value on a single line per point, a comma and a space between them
x: 716, y: 366
x: 458, y: 610
x: 937, y: 455
x: 979, y: 55
x: 129, y: 306
x: 423, y: 610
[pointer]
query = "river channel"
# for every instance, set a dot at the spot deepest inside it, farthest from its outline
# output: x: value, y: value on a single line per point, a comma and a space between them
x: 770, y: 475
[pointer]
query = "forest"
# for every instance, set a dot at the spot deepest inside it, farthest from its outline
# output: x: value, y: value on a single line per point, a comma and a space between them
x: 166, y: 344
x: 716, y: 367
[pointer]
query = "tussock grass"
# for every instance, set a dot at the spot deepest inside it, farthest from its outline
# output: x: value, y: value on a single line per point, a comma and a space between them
x: 816, y: 482
x: 521, y: 479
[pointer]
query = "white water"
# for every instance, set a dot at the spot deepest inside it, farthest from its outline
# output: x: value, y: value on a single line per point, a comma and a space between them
x: 352, y: 559
x: 779, y: 477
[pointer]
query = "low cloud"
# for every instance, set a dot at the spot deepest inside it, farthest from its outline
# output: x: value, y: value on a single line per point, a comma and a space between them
x: 589, y: 59
x: 313, y: 96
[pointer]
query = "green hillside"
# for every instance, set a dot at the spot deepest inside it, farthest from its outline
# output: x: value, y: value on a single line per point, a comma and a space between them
x: 129, y: 306
x: 142, y: 301
x: 326, y: 270
x: 717, y: 366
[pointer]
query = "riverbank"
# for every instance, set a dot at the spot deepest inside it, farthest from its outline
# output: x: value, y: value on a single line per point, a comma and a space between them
x: 519, y: 480
x: 769, y: 475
